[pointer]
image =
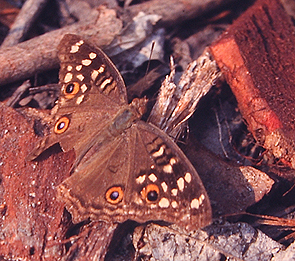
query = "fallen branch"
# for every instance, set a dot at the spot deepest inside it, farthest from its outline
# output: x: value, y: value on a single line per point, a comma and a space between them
x: 40, y: 53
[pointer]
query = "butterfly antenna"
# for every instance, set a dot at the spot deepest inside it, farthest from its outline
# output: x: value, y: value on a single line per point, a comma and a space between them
x: 149, y: 61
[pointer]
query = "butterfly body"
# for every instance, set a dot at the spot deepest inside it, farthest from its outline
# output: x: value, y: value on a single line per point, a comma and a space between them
x: 125, y: 168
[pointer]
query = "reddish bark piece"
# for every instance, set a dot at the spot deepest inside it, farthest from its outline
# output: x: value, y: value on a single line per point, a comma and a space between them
x: 257, y: 56
x: 31, y: 216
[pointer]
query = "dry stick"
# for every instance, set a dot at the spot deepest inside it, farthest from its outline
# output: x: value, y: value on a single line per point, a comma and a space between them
x: 40, y: 53
x: 174, y: 11
x: 14, y: 99
x: 23, y: 22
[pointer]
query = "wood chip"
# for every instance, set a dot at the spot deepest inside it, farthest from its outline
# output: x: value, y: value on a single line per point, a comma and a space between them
x: 257, y: 56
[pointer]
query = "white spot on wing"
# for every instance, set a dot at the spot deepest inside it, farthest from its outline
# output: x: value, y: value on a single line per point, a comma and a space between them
x: 84, y: 87
x: 164, y: 186
x: 174, y: 192
x: 159, y: 152
x: 94, y: 74
x: 174, y: 204
x: 140, y: 179
x: 101, y: 69
x: 172, y: 161
x: 69, y: 68
x: 195, y: 203
x: 80, y: 99
x: 137, y: 200
x: 80, y: 77
x: 180, y: 184
x: 105, y: 83
x: 74, y: 49
x: 188, y: 177
x: 68, y: 77
x: 79, y: 67
x: 201, y: 198
x: 164, y: 203
x: 86, y: 62
x: 168, y: 168
x: 152, y: 177
x: 153, y: 205
x: 92, y: 55
x: 131, y: 212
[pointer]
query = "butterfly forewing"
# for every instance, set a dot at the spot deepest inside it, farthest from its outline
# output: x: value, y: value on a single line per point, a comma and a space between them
x: 91, y: 69
x: 92, y: 92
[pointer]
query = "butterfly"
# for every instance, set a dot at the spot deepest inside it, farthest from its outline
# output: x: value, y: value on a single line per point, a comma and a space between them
x: 125, y: 168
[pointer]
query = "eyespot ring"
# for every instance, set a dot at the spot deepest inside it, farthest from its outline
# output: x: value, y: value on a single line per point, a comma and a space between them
x: 114, y: 195
x: 150, y: 193
x: 71, y: 89
x: 61, y: 125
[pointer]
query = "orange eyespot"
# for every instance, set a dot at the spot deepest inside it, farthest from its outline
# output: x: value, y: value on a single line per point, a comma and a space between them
x: 61, y: 125
x: 150, y: 193
x: 71, y: 89
x: 114, y: 195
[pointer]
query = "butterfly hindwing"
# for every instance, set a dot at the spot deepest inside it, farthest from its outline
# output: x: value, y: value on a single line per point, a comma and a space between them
x: 182, y: 198
x: 142, y: 175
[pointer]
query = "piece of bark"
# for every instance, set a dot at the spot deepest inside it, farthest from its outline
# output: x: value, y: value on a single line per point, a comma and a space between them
x: 92, y: 242
x: 176, y: 103
x: 231, y: 188
x: 216, y: 242
x: 289, y: 6
x: 257, y: 56
x: 82, y: 10
x: 32, y: 218
x: 285, y: 254
x: 40, y: 53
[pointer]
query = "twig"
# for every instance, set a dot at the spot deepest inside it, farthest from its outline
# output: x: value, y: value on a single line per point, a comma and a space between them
x: 18, y: 93
x: 220, y: 134
x: 23, y: 22
x: 175, y: 11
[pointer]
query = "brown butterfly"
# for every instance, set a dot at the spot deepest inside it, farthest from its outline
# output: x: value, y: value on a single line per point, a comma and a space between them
x: 125, y: 168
